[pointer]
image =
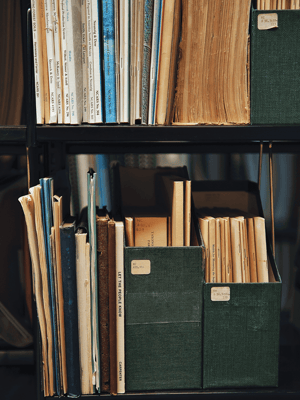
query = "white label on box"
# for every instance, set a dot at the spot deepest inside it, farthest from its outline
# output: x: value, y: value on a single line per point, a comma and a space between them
x: 140, y: 267
x: 267, y: 21
x: 220, y: 293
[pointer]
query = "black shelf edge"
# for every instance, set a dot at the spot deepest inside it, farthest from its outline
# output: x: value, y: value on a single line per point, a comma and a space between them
x: 13, y: 134
x: 191, y: 134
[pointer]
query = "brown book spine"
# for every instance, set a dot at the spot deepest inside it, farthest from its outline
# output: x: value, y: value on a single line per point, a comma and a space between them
x: 112, y: 306
x: 102, y: 263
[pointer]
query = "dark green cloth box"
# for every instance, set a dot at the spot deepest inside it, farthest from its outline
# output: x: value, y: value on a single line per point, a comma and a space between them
x: 240, y: 335
x: 275, y: 70
x: 163, y: 319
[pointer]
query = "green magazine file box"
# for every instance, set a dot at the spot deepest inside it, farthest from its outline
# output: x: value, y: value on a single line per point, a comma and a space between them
x: 164, y: 307
x: 240, y: 333
x: 275, y: 69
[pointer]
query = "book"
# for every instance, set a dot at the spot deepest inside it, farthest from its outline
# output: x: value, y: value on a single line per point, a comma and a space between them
x: 252, y: 251
x: 108, y: 32
x: 117, y: 22
x: 45, y: 64
x: 129, y: 231
x: 47, y: 221
x: 261, y: 249
x: 73, y: 38
x: 204, y: 228
x: 218, y: 251
x: 90, y: 61
x: 85, y: 80
x: 212, y: 79
x: 68, y: 265
x: 168, y: 61
x: 35, y: 191
x: 28, y: 209
x: 50, y: 61
x: 103, y: 285
x: 58, y: 63
x: 112, y: 306
x: 174, y: 194
x: 103, y: 173
x: 124, y: 61
x: 91, y: 190
x: 156, y: 33
x: 97, y: 60
x: 58, y: 220
x: 64, y: 60
x: 147, y: 44
x: 235, y: 231
x: 150, y: 231
x: 83, y: 276
x: 120, y: 307
x: 37, y: 60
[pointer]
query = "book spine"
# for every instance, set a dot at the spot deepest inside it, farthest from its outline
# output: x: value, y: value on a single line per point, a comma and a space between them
x: 109, y: 61
x: 51, y: 61
x: 102, y: 162
x: 119, y: 226
x: 117, y: 55
x: 73, y: 30
x: 102, y: 263
x: 139, y: 29
x: 37, y: 61
x: 97, y: 62
x: 68, y: 263
x: 84, y: 63
x: 90, y: 61
x: 156, y: 34
x: 57, y: 50
x: 124, y: 61
x: 64, y: 58
x: 148, y: 19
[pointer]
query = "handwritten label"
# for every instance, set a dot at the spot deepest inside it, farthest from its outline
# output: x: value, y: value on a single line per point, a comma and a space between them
x: 267, y: 21
x: 220, y: 293
x: 140, y: 267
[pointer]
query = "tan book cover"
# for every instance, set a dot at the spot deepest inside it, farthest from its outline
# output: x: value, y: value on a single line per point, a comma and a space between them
x: 129, y: 231
x: 212, y: 249
x: 229, y: 272
x: 261, y: 249
x: 236, y: 250
x: 174, y: 191
x: 203, y: 223
x: 168, y: 61
x: 151, y: 231
x: 224, y: 255
x: 187, y: 212
x: 218, y: 251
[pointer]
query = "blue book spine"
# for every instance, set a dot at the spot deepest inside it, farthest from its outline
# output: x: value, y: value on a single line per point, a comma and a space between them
x: 102, y: 162
x: 108, y: 26
x: 157, y: 16
x: 68, y: 267
x: 46, y: 203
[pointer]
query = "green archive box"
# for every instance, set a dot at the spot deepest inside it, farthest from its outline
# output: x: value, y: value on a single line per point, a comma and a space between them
x: 163, y: 307
x: 240, y: 332
x: 275, y: 67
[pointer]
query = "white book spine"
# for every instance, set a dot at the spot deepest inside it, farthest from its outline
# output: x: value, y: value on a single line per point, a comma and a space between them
x: 84, y: 63
x: 90, y: 63
x: 124, y: 61
x: 65, y: 66
x: 37, y: 61
x: 119, y: 227
x: 57, y: 51
x: 73, y: 30
x: 51, y: 61
x: 98, y: 115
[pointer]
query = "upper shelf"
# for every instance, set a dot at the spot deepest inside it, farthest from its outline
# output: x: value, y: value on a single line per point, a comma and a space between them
x: 165, y: 139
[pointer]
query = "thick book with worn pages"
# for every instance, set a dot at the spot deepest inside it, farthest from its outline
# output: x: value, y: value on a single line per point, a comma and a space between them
x: 68, y: 265
x: 212, y: 80
x: 170, y: 32
x: 102, y: 265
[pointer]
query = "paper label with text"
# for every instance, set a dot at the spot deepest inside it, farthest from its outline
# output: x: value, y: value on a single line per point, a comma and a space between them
x: 220, y: 293
x: 140, y: 267
x: 267, y: 21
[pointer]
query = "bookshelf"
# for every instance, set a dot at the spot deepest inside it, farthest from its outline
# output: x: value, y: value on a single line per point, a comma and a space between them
x: 62, y: 140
